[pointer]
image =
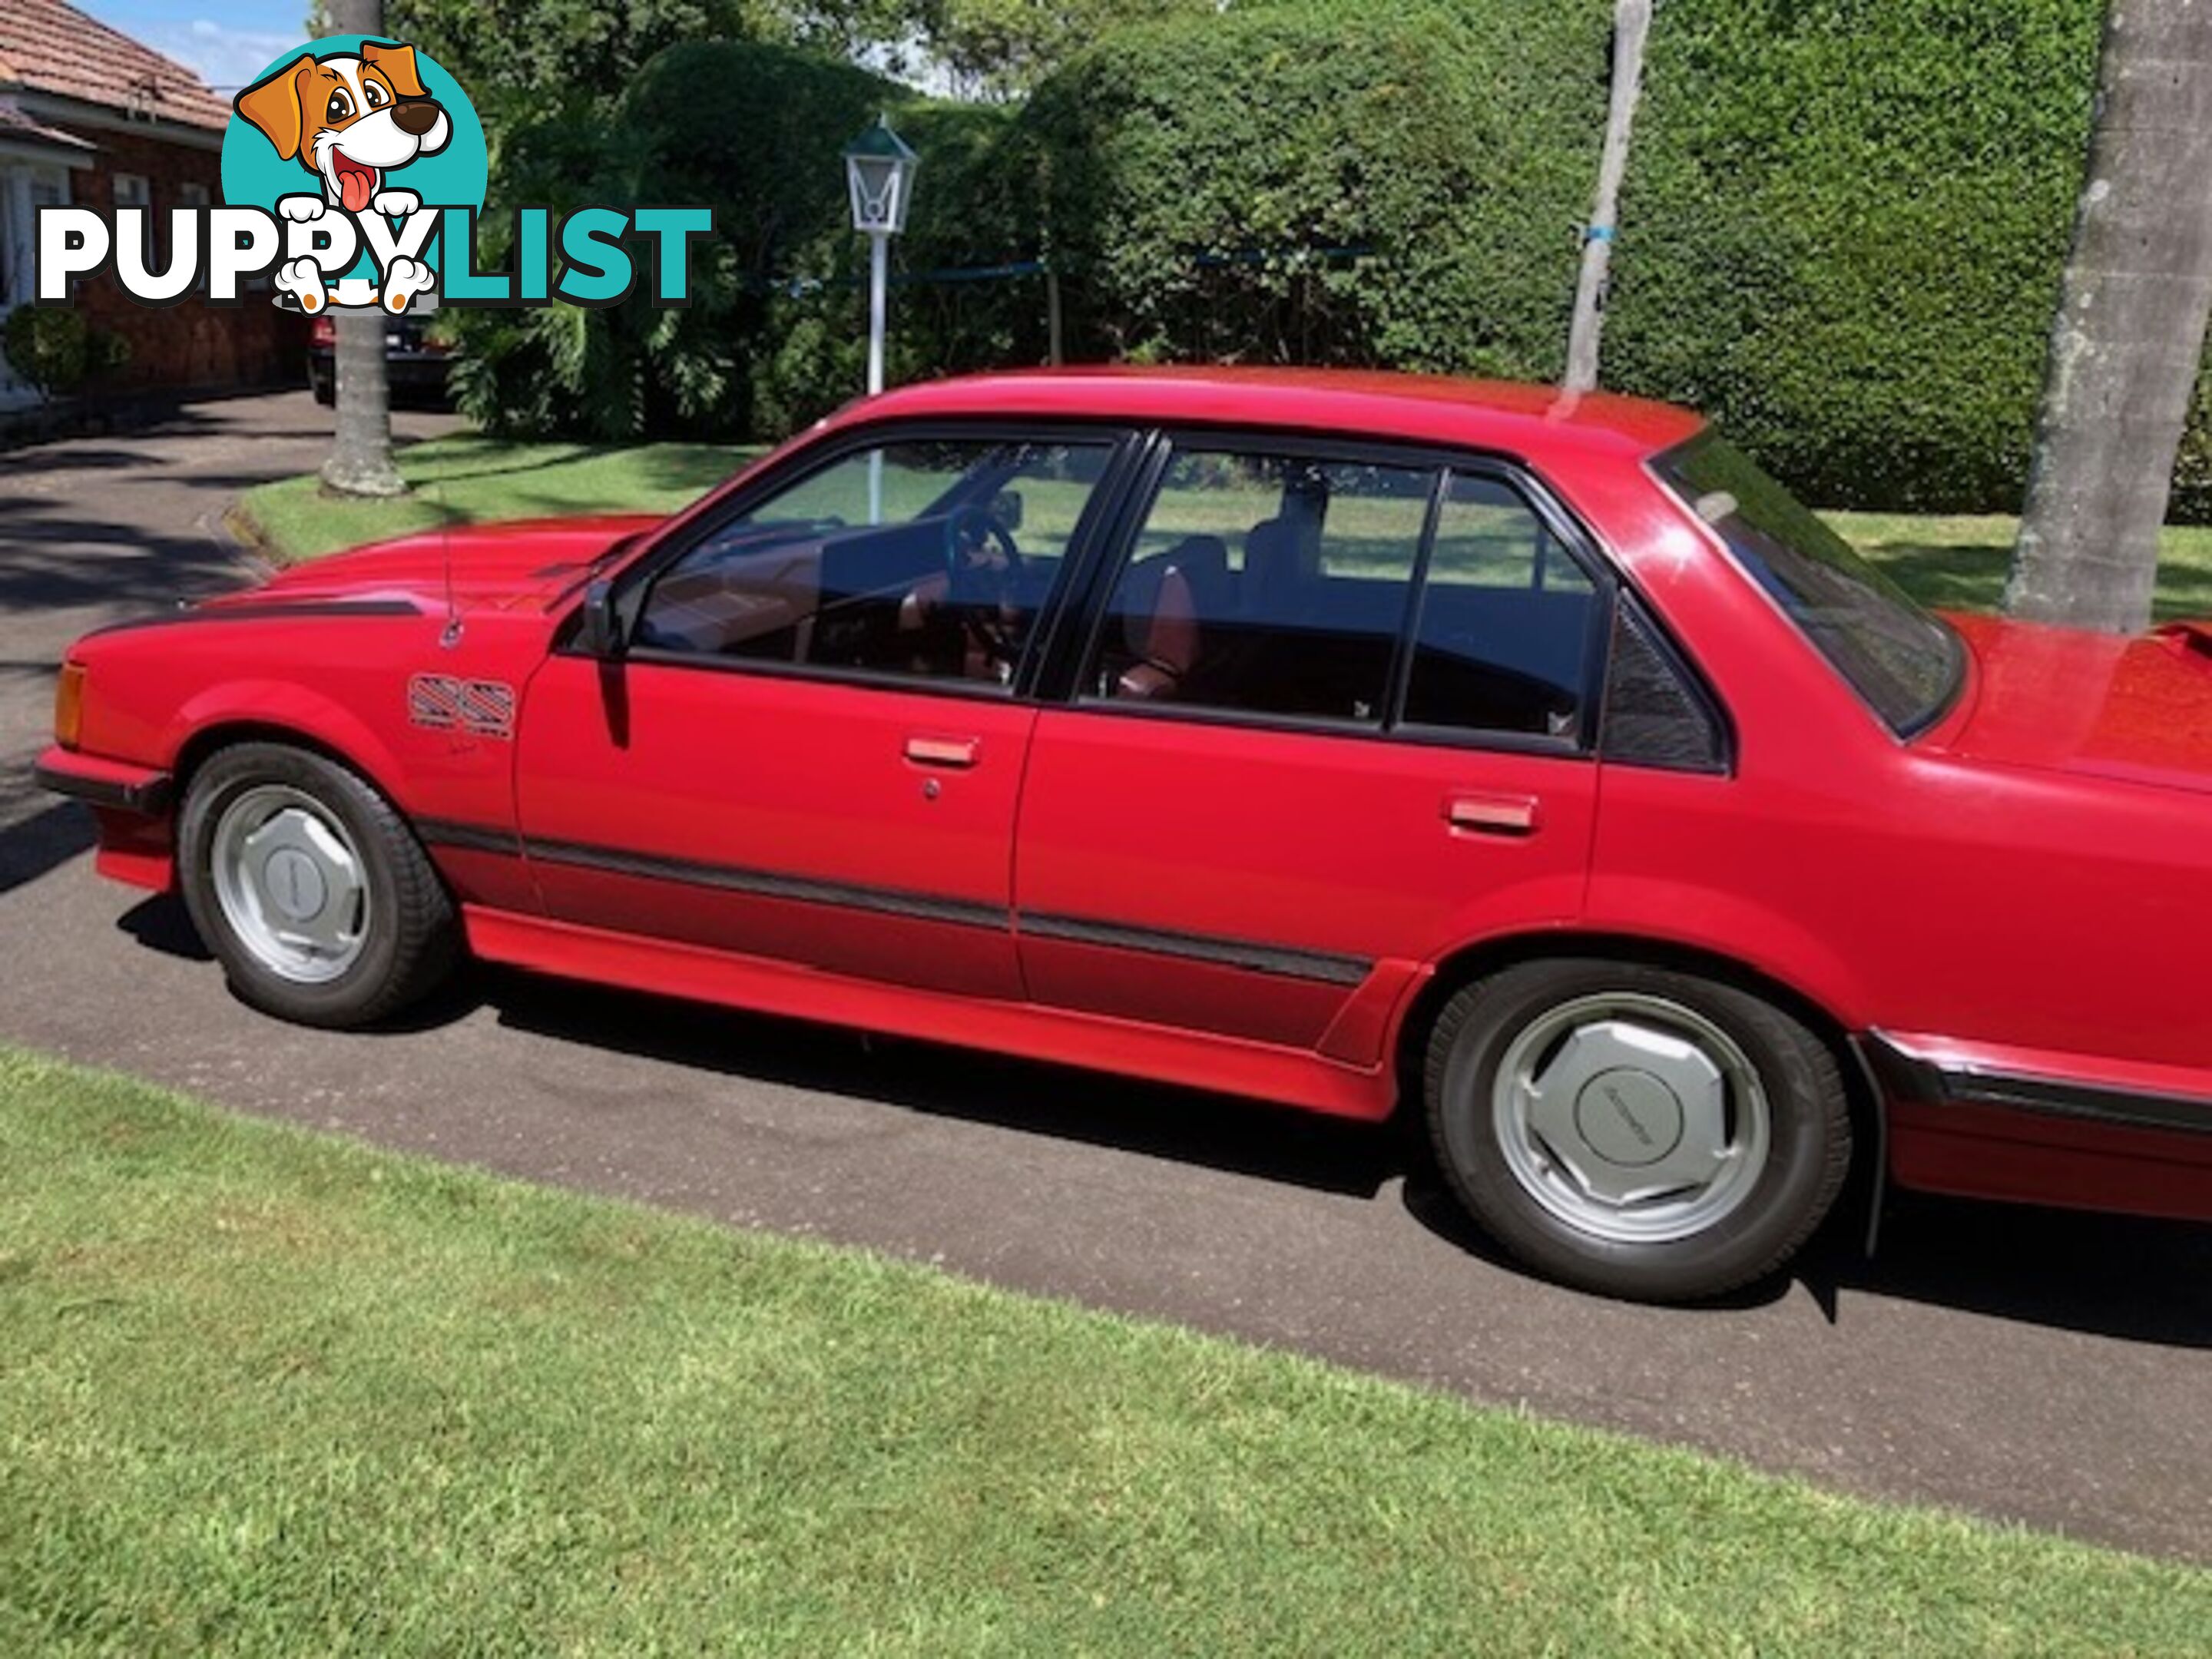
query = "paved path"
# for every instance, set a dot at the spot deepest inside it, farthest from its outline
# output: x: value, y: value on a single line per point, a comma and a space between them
x: 2026, y: 1364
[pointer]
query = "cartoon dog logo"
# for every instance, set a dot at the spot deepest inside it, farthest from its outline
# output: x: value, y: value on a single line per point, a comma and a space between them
x: 352, y: 120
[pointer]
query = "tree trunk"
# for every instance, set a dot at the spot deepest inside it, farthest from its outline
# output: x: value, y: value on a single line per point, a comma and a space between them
x: 361, y: 461
x: 2129, y: 335
x: 1632, y: 21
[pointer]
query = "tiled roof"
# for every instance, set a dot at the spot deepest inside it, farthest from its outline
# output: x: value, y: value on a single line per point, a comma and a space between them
x: 14, y: 124
x: 46, y: 47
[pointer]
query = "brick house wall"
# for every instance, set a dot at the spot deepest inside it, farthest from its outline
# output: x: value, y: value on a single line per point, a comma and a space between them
x: 191, y: 344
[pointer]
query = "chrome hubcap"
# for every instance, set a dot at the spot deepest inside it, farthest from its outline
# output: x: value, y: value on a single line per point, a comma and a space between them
x: 291, y: 883
x: 1631, y: 1118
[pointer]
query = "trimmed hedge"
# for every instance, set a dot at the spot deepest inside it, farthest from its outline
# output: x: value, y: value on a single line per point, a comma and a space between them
x: 1841, y: 235
x: 1843, y: 231
x: 1326, y: 183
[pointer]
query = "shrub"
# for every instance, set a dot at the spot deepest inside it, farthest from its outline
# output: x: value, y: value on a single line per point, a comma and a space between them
x: 1326, y: 183
x: 1843, y: 231
x: 775, y: 334
x: 56, y: 351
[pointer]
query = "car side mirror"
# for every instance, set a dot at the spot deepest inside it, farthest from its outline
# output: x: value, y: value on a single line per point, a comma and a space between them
x: 1007, y: 509
x: 601, y: 635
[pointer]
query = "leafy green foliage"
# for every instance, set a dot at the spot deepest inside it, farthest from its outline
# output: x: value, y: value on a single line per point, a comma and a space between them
x: 1326, y: 183
x: 1000, y: 48
x: 56, y: 351
x: 517, y: 56
x: 775, y: 334
x: 1843, y: 231
x: 1841, y: 235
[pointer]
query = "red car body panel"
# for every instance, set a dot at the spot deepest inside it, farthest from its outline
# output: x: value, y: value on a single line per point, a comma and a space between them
x: 2004, y: 914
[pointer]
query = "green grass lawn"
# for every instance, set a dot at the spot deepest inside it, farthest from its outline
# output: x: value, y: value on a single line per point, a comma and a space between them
x: 1956, y: 562
x: 468, y: 479
x: 265, y: 1392
x: 1959, y: 563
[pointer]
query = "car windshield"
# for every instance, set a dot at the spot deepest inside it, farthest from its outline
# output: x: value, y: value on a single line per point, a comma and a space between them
x: 1904, y: 662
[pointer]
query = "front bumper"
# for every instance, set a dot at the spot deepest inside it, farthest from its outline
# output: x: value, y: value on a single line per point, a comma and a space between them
x: 117, y: 786
x: 131, y: 806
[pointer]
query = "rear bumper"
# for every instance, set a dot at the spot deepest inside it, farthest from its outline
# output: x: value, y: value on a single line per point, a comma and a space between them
x: 2040, y: 1128
x: 116, y: 785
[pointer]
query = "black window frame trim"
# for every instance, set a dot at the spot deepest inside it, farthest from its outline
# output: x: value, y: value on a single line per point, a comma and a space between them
x: 1070, y: 613
x: 633, y: 583
x: 1110, y: 553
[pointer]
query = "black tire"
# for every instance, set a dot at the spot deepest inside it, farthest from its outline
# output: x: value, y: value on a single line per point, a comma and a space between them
x: 411, y: 940
x: 1808, y: 1149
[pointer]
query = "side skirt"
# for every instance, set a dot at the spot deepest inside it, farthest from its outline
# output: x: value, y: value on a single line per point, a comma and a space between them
x: 1264, y: 1072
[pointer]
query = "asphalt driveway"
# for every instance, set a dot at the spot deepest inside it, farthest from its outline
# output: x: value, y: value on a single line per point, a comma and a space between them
x: 2022, y: 1363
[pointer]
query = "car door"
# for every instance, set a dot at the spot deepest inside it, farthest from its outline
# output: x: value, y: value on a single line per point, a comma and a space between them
x: 812, y: 748
x: 1332, y: 716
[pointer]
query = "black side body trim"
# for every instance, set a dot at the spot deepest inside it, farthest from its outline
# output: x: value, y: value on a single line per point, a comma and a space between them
x: 769, y: 884
x: 1285, y: 960
x: 1913, y: 1077
x: 1290, y: 963
x: 149, y: 799
x: 468, y: 837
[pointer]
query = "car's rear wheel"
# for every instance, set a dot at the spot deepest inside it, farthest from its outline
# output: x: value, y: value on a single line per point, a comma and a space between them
x: 1636, y: 1130
x: 310, y: 889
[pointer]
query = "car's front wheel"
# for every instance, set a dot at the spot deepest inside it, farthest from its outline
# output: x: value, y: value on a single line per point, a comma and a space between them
x: 1637, y: 1130
x: 310, y: 888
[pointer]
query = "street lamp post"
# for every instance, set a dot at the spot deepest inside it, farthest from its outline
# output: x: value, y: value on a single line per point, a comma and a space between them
x: 879, y: 172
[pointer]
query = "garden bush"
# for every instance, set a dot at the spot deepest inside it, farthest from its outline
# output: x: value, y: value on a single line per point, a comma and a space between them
x: 1326, y: 183
x: 56, y: 351
x: 775, y: 334
x: 1841, y: 235
x: 1843, y: 231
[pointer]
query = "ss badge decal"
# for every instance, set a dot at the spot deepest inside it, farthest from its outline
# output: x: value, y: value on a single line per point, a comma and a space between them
x: 445, y: 703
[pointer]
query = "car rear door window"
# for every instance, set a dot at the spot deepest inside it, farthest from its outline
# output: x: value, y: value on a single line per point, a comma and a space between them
x: 1507, y: 629
x: 928, y: 559
x: 1265, y: 584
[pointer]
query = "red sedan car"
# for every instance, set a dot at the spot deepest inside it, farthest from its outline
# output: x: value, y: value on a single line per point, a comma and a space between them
x: 1332, y: 738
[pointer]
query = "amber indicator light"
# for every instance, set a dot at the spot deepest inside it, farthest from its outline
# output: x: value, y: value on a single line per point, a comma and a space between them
x: 69, y: 705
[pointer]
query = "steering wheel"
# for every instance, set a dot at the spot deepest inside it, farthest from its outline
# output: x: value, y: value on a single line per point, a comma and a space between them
x: 982, y: 590
x: 967, y: 531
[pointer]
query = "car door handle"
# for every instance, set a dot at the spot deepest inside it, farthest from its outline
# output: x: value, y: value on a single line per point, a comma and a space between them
x: 1493, y: 815
x: 942, y: 751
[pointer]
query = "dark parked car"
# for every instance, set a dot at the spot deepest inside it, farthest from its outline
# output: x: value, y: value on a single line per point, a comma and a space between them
x: 415, y: 362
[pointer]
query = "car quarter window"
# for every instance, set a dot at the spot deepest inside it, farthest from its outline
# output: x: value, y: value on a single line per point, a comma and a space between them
x: 924, y: 557
x: 1283, y: 585
x: 1265, y: 584
x: 1504, y: 637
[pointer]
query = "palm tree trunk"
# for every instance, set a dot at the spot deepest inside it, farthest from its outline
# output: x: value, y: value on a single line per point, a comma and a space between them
x: 361, y: 461
x: 2129, y: 335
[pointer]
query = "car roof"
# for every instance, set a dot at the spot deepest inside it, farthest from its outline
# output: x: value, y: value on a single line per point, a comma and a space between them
x: 1496, y: 415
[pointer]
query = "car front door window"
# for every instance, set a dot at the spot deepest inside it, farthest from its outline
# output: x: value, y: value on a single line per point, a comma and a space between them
x: 922, y: 559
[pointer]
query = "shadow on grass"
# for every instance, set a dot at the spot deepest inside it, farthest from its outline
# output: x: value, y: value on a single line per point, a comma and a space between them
x: 1971, y: 576
x: 1946, y: 577
x: 2116, y: 1276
